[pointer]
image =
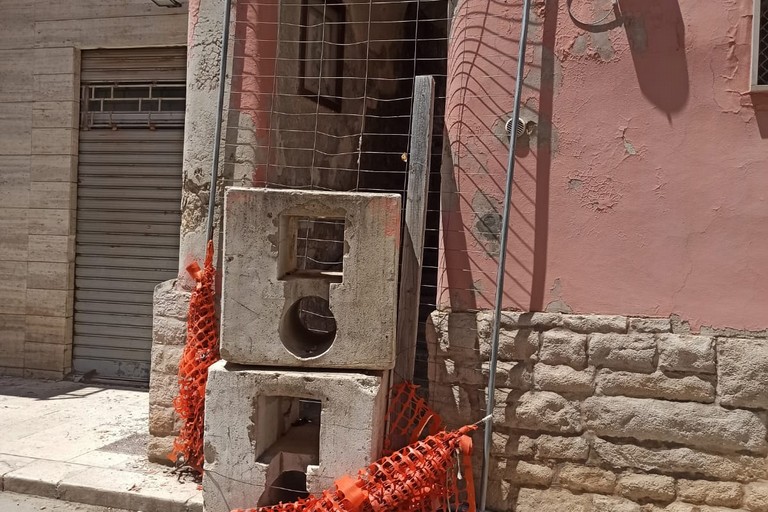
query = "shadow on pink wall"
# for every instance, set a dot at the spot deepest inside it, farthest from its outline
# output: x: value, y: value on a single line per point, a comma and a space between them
x: 482, y: 61
x: 656, y: 35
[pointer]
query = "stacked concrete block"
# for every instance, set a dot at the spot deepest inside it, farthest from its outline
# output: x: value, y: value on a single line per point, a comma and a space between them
x: 251, y: 418
x: 261, y: 275
x: 291, y: 408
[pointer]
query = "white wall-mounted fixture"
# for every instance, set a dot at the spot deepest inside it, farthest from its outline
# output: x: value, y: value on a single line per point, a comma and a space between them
x: 518, y: 126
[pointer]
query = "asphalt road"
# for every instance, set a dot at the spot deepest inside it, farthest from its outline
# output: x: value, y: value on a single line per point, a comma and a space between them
x: 10, y: 502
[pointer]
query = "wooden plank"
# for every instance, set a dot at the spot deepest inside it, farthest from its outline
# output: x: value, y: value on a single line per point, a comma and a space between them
x: 415, y: 224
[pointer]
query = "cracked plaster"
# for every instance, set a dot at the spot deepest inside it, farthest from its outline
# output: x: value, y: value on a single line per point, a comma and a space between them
x: 655, y: 184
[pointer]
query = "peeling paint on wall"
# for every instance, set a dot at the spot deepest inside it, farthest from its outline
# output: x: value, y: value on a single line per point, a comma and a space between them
x: 628, y: 146
x: 558, y: 305
x: 487, y: 227
x: 595, y: 192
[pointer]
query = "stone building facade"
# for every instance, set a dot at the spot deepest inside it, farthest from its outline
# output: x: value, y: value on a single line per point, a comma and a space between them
x: 597, y: 412
x: 636, y: 377
x: 41, y: 45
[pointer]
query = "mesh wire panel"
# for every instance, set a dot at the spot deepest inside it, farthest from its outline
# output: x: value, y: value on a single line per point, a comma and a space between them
x: 321, y: 99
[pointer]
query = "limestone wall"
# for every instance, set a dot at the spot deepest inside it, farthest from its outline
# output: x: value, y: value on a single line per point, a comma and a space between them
x: 609, y: 412
x: 169, y: 331
x: 40, y: 45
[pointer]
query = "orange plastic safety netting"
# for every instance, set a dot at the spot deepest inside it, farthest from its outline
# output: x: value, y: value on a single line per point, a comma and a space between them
x: 200, y: 352
x: 409, y: 417
x: 433, y: 474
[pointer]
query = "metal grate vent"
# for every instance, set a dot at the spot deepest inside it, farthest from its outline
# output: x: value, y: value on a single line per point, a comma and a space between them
x: 762, y: 52
x: 132, y: 105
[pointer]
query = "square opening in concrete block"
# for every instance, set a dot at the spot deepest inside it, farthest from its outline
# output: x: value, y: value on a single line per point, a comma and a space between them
x: 287, y: 443
x: 311, y: 247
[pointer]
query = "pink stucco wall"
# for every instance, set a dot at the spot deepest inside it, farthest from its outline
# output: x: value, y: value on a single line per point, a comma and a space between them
x: 253, y: 71
x: 643, y: 190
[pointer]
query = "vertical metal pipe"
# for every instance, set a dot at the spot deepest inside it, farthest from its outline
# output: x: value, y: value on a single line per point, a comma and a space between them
x: 490, y: 401
x: 219, y: 117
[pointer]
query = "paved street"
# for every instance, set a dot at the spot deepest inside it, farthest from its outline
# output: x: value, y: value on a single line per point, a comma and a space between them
x: 84, y: 444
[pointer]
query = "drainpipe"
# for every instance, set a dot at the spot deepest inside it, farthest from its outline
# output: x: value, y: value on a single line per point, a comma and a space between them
x: 490, y: 400
x: 219, y: 117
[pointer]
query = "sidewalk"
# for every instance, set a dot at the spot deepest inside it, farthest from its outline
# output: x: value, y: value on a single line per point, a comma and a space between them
x: 11, y: 502
x: 84, y: 444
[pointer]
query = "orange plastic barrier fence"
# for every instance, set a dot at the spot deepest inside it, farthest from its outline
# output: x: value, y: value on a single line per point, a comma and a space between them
x: 425, y: 476
x: 409, y: 417
x: 200, y: 352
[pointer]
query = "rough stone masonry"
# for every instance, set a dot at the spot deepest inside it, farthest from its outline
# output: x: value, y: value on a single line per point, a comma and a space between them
x: 609, y: 413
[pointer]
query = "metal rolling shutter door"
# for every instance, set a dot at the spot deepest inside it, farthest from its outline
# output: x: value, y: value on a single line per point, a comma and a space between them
x: 128, y: 218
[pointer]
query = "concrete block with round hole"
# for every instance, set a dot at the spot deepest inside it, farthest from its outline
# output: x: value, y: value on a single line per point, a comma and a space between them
x: 274, y: 435
x: 310, y: 278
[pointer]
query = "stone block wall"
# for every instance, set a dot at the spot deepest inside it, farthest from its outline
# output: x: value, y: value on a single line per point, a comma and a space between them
x: 39, y: 105
x: 169, y: 331
x: 609, y: 412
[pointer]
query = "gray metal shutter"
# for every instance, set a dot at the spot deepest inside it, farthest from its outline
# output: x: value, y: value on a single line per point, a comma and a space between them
x: 134, y: 65
x: 128, y: 218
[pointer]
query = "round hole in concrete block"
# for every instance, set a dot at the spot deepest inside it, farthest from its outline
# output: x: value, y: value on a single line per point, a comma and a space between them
x: 308, y: 327
x: 288, y: 487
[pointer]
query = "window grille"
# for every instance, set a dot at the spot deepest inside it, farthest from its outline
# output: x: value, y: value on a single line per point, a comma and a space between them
x: 132, y: 105
x: 760, y: 45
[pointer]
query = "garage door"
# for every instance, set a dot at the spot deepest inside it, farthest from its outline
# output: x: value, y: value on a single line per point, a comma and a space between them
x: 128, y: 205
